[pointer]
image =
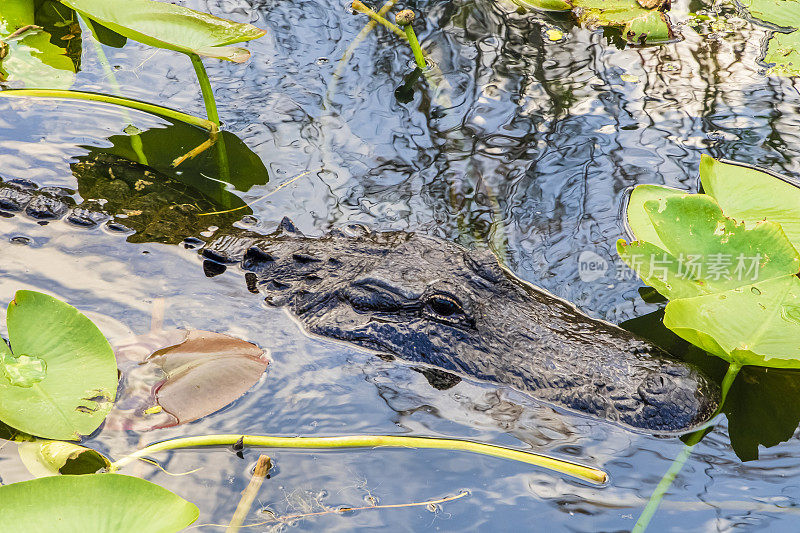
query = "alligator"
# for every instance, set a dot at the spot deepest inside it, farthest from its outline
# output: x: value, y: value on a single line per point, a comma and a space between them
x: 434, y: 302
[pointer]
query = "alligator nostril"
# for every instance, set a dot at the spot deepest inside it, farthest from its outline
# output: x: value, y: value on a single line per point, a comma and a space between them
x: 655, y: 385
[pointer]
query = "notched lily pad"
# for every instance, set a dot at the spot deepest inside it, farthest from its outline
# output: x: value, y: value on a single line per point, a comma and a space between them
x: 783, y: 48
x: 752, y: 195
x: 178, y: 376
x: 733, y: 290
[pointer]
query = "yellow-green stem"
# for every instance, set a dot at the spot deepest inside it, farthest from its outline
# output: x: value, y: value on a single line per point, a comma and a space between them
x: 205, y: 89
x: 415, y: 48
x: 585, y: 473
x: 115, y: 100
x: 361, y: 8
x: 211, y: 112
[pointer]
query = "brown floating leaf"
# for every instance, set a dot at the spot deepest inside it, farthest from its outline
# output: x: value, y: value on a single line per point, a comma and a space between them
x: 174, y: 377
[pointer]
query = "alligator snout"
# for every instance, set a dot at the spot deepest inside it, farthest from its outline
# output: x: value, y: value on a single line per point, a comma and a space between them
x: 671, y: 397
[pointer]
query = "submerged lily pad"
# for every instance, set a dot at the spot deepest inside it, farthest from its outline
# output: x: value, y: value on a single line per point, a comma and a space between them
x: 60, y: 381
x: 27, y: 54
x: 178, y: 376
x: 169, y: 26
x: 103, y: 503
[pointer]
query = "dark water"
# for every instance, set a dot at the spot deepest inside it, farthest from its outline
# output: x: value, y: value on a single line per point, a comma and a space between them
x: 529, y: 145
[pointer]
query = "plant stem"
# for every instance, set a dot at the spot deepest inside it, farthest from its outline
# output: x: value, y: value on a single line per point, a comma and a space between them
x: 677, y: 464
x: 405, y: 19
x: 361, y: 8
x: 205, y: 89
x: 249, y: 493
x: 727, y: 381
x: 211, y: 112
x: 585, y: 473
x: 136, y: 140
x: 115, y: 100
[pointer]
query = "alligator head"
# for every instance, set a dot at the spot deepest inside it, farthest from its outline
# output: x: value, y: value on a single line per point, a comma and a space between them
x: 428, y: 300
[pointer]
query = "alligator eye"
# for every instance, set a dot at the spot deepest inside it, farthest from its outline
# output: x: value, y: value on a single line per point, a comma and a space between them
x: 444, y: 305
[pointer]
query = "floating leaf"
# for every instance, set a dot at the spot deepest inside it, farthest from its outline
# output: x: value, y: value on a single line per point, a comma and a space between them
x: 63, y: 379
x: 637, y: 24
x: 705, y: 252
x: 757, y: 324
x: 178, y: 376
x: 783, y: 50
x: 53, y: 457
x: 638, y: 219
x: 26, y: 53
x: 169, y: 26
x: 103, y: 503
x: 733, y: 291
x: 751, y: 195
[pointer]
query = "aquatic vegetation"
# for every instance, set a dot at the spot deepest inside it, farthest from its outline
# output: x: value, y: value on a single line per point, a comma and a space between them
x: 405, y: 20
x: 27, y: 54
x: 729, y: 269
x: 101, y: 503
x: 638, y: 24
x: 45, y: 458
x: 157, y: 24
x: 783, y: 49
x: 725, y: 262
x: 165, y: 25
x: 177, y: 376
x: 196, y: 373
x: 61, y: 377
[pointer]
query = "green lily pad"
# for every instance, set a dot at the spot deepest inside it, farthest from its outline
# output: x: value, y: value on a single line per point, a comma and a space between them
x: 169, y: 26
x: 783, y: 49
x: 638, y: 219
x: 705, y: 252
x: 60, y: 381
x: 733, y: 291
x: 758, y: 324
x: 26, y: 53
x: 102, y: 503
x: 751, y: 195
x: 53, y: 457
x: 639, y: 25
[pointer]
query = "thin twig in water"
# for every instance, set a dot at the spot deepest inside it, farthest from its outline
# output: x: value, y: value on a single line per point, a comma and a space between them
x: 340, y: 510
x: 167, y: 472
x: 279, y: 187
